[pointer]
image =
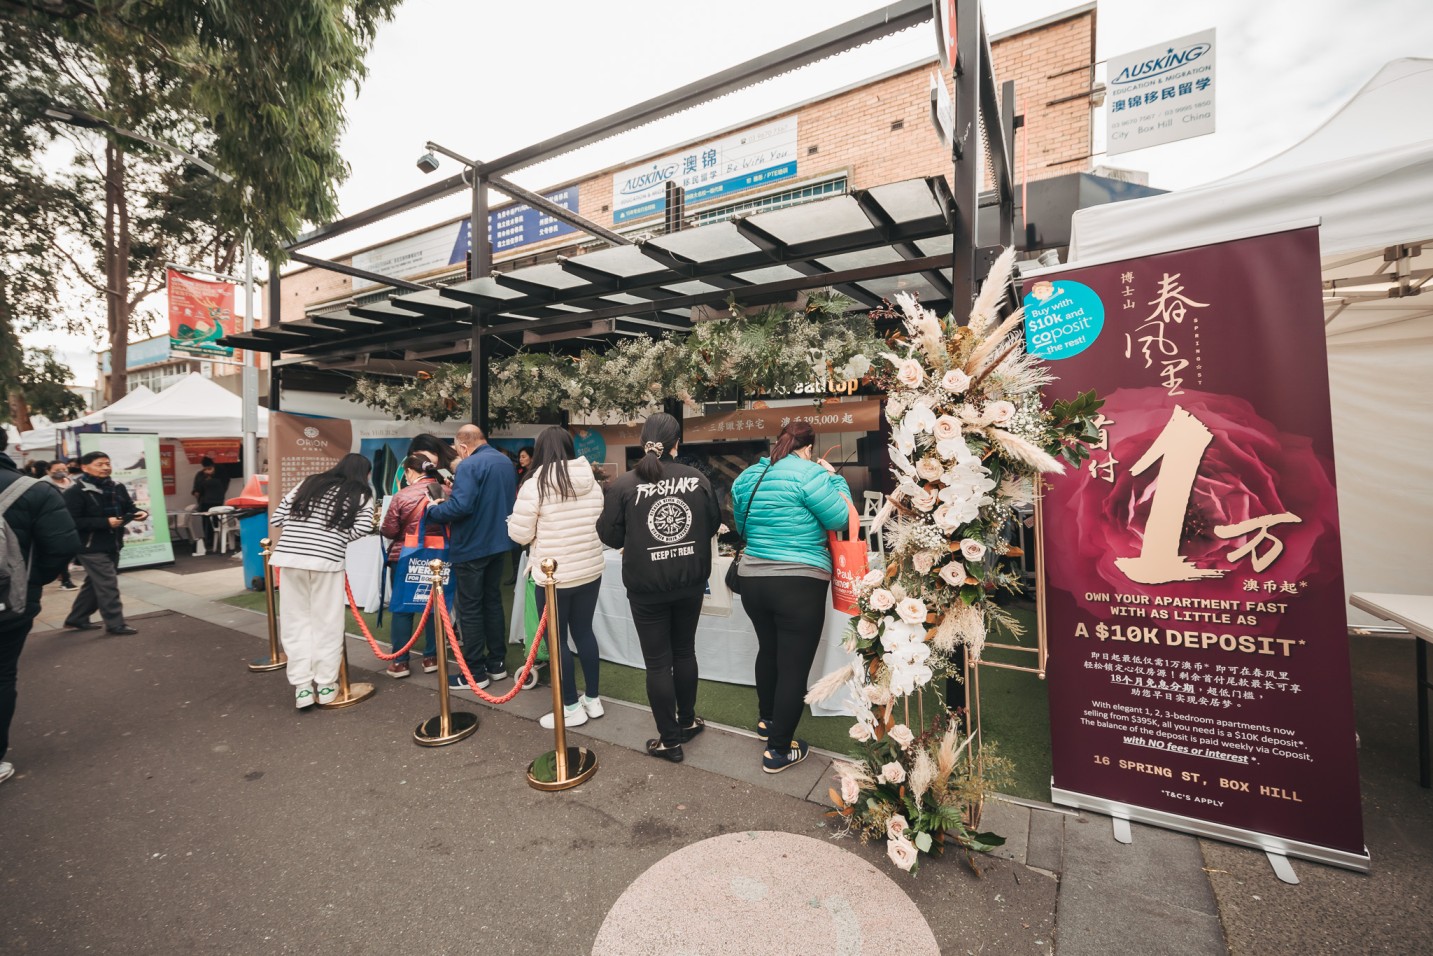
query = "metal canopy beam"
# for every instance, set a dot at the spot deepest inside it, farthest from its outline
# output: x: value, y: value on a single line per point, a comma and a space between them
x: 356, y: 273
x: 838, y: 39
x: 418, y: 197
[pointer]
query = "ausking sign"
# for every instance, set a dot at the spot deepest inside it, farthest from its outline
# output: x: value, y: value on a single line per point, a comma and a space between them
x: 1161, y: 94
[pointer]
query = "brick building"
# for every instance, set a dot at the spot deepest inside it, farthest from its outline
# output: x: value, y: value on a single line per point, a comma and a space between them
x: 874, y: 132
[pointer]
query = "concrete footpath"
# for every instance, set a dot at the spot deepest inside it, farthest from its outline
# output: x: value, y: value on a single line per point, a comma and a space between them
x: 168, y: 801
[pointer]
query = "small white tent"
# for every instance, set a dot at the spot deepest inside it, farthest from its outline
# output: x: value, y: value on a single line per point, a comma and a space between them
x: 1367, y: 174
x: 193, y: 407
x: 41, y: 440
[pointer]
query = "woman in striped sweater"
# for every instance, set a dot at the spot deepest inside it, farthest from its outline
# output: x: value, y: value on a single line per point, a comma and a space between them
x: 319, y: 518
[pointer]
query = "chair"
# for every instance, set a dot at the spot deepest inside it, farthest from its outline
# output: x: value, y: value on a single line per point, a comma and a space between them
x: 872, y: 502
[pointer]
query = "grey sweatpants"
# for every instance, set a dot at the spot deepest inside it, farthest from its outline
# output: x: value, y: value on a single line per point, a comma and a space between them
x: 99, y: 592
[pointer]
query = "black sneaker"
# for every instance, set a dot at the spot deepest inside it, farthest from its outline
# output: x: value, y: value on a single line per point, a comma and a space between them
x: 775, y: 763
x: 456, y: 682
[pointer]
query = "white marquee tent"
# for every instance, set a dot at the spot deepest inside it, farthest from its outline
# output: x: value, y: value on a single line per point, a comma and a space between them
x: 1367, y: 174
x: 41, y: 441
x: 193, y: 407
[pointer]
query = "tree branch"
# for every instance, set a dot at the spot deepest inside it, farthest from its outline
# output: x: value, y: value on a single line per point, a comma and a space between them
x: 79, y: 269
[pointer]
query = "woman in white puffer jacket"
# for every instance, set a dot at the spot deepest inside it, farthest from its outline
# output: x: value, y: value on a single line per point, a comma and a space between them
x: 556, y: 513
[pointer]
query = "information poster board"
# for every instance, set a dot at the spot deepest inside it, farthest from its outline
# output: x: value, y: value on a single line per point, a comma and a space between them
x: 137, y: 466
x: 1199, y: 669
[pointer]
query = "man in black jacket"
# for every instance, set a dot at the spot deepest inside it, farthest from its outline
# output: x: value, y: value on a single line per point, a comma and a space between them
x: 45, y: 532
x: 101, y: 507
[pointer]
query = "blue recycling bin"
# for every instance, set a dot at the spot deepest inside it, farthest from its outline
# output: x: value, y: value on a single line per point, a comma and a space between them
x: 253, y: 529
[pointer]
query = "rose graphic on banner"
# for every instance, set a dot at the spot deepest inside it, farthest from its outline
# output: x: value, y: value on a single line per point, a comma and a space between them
x: 1247, y: 473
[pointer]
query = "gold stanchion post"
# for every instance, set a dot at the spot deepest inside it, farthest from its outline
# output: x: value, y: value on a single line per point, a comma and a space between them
x: 565, y: 767
x: 447, y: 727
x: 276, y: 658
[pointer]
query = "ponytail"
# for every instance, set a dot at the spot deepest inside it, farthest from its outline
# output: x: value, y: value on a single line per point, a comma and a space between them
x: 660, y: 435
x: 794, y: 437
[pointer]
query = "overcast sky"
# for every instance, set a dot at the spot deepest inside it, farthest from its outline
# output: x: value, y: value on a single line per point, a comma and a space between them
x: 485, y: 79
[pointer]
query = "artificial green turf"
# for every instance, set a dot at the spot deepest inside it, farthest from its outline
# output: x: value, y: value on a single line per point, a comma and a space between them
x: 1014, y: 708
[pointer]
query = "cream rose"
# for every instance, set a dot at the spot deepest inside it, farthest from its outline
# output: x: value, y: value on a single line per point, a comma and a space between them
x: 893, y: 772
x: 895, y: 408
x: 972, y: 550
x: 923, y: 500
x: 947, y: 518
x: 860, y: 732
x: 910, y: 374
x: 850, y: 790
x: 903, y: 853
x: 876, y: 695
x: 946, y: 428
x: 923, y: 561
x: 873, y: 577
x: 896, y: 827
x: 953, y: 574
x: 902, y: 735
x: 955, y: 381
x: 1000, y: 413
x: 929, y: 469
x: 866, y: 628
x: 882, y: 600
x: 912, y: 610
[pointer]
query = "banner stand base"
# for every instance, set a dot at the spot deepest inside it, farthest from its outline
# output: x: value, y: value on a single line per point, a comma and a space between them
x: 1272, y: 845
x: 1283, y: 869
x: 1122, y: 830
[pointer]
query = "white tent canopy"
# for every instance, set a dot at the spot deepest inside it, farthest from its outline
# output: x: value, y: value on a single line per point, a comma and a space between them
x: 1367, y: 175
x: 43, y: 439
x: 193, y: 407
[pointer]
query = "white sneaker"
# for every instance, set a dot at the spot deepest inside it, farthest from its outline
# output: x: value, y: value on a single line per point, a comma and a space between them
x: 327, y: 693
x: 593, y: 706
x: 7, y: 770
x: 574, y: 716
x: 303, y: 696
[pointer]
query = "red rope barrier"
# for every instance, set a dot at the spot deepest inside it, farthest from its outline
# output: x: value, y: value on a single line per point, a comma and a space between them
x: 521, y: 678
x: 372, y: 644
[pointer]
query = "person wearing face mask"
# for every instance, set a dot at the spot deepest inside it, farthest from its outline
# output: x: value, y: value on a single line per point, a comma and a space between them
x: 101, y: 508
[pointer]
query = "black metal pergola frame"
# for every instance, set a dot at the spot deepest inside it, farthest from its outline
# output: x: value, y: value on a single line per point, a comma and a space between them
x: 921, y: 230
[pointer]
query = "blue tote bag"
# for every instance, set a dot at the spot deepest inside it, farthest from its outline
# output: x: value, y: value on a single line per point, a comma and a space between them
x: 413, y: 580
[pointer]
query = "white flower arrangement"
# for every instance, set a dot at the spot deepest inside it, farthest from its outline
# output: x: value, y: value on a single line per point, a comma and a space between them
x: 969, y: 433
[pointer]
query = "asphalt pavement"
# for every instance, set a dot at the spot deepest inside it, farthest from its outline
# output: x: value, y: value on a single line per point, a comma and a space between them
x: 169, y: 801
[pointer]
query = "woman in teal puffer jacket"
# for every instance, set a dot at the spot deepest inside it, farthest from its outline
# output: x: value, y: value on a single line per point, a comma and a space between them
x: 783, y: 507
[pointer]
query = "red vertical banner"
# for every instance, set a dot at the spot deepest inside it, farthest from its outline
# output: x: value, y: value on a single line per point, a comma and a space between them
x: 1199, y: 670
x: 200, y: 314
x: 166, y: 469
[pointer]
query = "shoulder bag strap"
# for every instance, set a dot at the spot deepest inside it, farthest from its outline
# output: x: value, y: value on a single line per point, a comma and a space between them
x: 747, y: 513
x: 17, y: 488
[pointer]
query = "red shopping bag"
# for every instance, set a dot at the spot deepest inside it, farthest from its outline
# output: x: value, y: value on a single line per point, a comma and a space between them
x: 848, y: 564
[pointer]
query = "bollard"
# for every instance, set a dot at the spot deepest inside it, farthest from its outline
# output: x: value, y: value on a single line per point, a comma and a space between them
x: 447, y: 727
x: 276, y: 658
x: 564, y: 767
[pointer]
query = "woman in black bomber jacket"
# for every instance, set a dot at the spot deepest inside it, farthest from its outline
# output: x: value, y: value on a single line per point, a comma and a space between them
x: 663, y: 516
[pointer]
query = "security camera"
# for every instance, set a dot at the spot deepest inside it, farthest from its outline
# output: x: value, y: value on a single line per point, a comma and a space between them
x: 428, y: 163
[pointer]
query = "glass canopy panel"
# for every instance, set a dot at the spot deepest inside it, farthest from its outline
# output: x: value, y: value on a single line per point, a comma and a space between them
x: 935, y: 246
x: 486, y: 286
x: 860, y: 260
x: 915, y: 285
x: 908, y: 201
x: 815, y: 221
x: 693, y: 288
x: 549, y: 274
x: 707, y: 243
x: 623, y: 261
x: 769, y: 274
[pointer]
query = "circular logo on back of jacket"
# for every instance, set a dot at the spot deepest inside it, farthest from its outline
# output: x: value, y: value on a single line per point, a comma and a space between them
x: 669, y: 520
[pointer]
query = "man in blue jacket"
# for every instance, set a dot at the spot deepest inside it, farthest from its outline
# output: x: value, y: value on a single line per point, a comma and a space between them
x: 477, y: 510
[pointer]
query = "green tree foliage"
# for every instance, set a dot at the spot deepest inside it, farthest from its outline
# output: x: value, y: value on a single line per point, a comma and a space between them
x: 256, y: 87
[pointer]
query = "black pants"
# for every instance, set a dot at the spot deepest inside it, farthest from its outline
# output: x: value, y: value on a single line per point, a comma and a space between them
x: 789, y: 613
x: 668, y: 632
x: 575, y: 609
x: 12, y: 642
x: 480, y: 614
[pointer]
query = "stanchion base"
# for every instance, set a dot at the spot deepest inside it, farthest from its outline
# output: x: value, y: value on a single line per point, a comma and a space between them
x: 261, y: 665
x: 357, y: 693
x: 581, y: 765
x: 460, y: 724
